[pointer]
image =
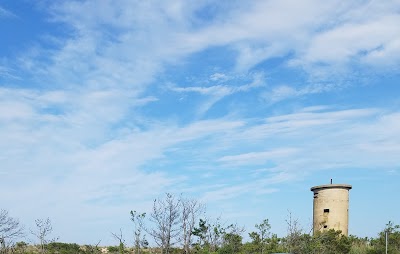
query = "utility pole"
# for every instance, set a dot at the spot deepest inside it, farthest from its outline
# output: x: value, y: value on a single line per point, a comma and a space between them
x: 386, y: 238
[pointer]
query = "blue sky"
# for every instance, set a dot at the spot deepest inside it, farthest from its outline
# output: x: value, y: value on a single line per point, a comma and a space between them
x: 243, y: 105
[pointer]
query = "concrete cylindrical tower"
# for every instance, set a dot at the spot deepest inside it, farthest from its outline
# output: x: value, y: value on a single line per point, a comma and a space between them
x: 331, y: 207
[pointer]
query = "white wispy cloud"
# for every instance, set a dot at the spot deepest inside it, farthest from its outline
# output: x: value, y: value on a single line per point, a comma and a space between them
x: 284, y: 92
x: 216, y: 93
x: 321, y: 139
x: 257, y: 157
x: 118, y: 46
x: 299, y: 144
x: 4, y: 13
x: 219, y: 77
x: 329, y: 32
x: 362, y: 42
x: 7, y: 72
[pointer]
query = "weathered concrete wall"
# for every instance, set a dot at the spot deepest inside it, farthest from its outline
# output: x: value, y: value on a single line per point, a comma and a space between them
x: 331, y: 207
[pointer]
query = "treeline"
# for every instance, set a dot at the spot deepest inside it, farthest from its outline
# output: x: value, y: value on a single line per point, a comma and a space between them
x: 177, y: 225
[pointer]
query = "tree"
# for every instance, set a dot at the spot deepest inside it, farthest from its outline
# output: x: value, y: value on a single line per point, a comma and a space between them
x: 232, y: 239
x: 201, y: 233
x: 120, y: 238
x: 231, y: 243
x: 275, y: 244
x: 10, y: 229
x: 214, y: 234
x: 165, y: 217
x: 20, y: 247
x: 332, y: 242
x: 360, y: 245
x: 326, y: 242
x: 191, y: 210
x: 263, y: 231
x: 43, y: 229
x: 294, y: 233
x: 254, y: 245
x: 138, y: 221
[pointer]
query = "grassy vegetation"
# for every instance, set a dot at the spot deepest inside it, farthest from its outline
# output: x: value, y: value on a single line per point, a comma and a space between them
x: 329, y: 242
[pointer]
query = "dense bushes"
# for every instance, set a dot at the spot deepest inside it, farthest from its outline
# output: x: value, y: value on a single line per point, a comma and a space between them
x: 328, y: 242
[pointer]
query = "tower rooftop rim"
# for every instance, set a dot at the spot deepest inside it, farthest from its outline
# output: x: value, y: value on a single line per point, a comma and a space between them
x: 332, y: 186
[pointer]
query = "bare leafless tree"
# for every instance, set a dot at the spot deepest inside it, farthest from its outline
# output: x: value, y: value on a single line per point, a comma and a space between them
x: 191, y: 210
x: 42, y: 231
x: 121, y: 241
x: 10, y: 229
x: 165, y: 217
x: 294, y: 232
